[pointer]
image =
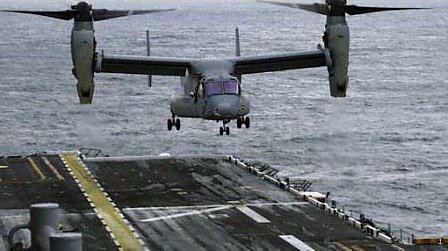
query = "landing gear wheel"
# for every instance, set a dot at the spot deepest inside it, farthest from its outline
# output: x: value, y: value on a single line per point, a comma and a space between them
x: 221, y: 131
x: 227, y: 130
x: 177, y: 124
x: 247, y: 122
x: 170, y: 124
x: 239, y: 122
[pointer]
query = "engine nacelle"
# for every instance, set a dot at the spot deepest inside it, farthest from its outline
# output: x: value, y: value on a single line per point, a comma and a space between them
x: 83, y: 53
x: 338, y: 41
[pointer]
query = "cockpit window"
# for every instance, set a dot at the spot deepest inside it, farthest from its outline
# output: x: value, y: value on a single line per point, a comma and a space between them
x: 231, y: 87
x: 213, y: 88
x: 221, y: 87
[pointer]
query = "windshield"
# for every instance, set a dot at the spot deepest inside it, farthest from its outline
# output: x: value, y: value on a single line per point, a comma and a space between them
x: 230, y: 87
x: 221, y: 87
x: 213, y: 88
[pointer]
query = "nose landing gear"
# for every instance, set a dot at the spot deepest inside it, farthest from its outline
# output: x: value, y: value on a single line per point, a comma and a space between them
x: 243, y: 120
x: 224, y: 128
x: 173, y: 122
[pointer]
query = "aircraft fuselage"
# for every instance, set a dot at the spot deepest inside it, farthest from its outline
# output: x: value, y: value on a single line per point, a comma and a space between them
x: 219, y: 107
x: 212, y: 99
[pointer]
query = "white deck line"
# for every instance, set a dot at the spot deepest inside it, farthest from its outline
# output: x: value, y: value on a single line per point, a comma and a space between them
x: 144, y: 158
x: 216, y: 205
x: 252, y: 214
x: 300, y: 245
x: 171, y: 208
x: 298, y: 203
x: 195, y: 212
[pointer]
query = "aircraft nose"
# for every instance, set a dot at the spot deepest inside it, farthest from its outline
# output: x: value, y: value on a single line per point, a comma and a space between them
x: 225, y: 109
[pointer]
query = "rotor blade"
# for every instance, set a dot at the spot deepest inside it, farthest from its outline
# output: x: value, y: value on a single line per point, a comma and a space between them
x: 64, y: 15
x: 103, y: 14
x: 357, y: 10
x: 316, y: 7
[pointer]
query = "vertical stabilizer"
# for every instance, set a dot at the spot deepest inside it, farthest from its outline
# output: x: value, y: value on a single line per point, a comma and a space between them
x: 238, y: 47
x: 148, y: 51
x: 237, y: 42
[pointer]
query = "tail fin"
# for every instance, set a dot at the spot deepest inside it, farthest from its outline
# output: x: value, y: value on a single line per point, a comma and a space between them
x: 238, y: 48
x: 237, y: 42
x: 148, y: 51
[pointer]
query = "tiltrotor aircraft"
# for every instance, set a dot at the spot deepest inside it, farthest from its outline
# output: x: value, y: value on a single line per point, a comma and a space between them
x: 212, y: 88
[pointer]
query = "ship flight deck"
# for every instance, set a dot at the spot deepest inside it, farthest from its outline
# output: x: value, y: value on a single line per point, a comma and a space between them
x: 177, y: 203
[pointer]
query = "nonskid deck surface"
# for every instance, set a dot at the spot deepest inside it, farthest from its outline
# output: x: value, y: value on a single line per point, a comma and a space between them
x: 182, y: 203
x: 25, y: 180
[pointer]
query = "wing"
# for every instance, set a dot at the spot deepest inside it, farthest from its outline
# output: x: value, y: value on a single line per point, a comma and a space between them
x: 258, y: 64
x: 142, y: 65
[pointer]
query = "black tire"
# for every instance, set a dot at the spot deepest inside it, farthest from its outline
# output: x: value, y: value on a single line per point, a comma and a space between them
x: 239, y: 122
x: 247, y: 122
x: 227, y: 130
x: 178, y: 124
x: 169, y: 124
x: 221, y: 131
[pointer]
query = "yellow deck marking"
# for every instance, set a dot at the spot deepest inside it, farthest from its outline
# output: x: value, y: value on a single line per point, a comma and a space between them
x: 342, y: 247
x: 3, y: 167
x: 36, y: 168
x: 52, y: 168
x: 118, y: 227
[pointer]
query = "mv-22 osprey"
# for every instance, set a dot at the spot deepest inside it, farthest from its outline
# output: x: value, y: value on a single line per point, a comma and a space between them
x: 211, y: 88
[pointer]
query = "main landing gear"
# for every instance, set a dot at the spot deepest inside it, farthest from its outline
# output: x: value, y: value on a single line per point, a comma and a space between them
x: 224, y: 128
x: 173, y: 122
x: 241, y: 121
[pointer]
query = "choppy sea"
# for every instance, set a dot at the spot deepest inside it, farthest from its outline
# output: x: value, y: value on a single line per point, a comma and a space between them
x: 382, y: 151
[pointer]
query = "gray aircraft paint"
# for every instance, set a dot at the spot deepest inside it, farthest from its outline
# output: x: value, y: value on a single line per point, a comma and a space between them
x: 209, y: 107
x: 83, y: 49
x: 339, y: 44
x: 194, y: 72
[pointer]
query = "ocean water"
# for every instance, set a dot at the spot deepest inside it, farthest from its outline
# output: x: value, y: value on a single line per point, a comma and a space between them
x: 382, y: 151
